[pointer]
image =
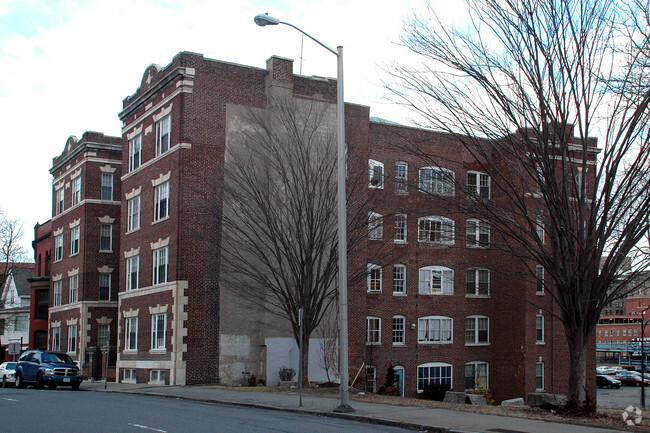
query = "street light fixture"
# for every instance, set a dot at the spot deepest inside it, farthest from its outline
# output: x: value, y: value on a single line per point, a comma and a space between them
x: 344, y: 406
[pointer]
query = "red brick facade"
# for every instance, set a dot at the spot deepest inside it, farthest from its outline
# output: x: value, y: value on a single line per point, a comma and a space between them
x: 166, y: 212
x: 88, y: 172
x: 40, y: 286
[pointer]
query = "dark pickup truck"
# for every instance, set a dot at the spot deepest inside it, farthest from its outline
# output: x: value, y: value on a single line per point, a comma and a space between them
x: 40, y: 368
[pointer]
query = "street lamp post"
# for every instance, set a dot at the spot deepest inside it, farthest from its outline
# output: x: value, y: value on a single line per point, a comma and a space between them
x: 344, y: 406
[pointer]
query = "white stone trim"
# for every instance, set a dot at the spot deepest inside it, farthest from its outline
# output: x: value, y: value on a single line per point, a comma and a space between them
x: 55, y: 324
x: 106, y: 220
x: 161, y: 243
x: 137, y: 131
x: 161, y: 179
x: 163, y: 112
x: 134, y: 192
x: 75, y: 174
x: 104, y: 320
x: 59, y: 185
x: 105, y: 270
x: 159, y: 309
x: 132, y: 253
x: 57, y: 277
x: 148, y: 130
x: 107, y: 169
x: 73, y: 272
x: 75, y: 223
x: 130, y: 313
x: 71, y: 322
x: 58, y: 231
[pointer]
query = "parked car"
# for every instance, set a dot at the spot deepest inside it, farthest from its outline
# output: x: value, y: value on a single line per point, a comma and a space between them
x: 40, y: 368
x: 603, y: 369
x: 607, y: 381
x: 631, y: 379
x: 8, y: 373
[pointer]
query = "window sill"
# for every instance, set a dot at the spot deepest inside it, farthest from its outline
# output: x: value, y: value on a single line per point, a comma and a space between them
x: 431, y: 343
x: 376, y: 239
x: 160, y: 220
x: 398, y: 242
x: 75, y: 254
x: 540, y: 343
x: 467, y: 295
x: 158, y: 351
x: 130, y: 351
x: 133, y: 231
x: 106, y: 251
x: 399, y: 294
x: 399, y: 344
x: 540, y: 293
x: 373, y: 291
x: 435, y: 294
x: 373, y: 344
x: 477, y: 344
x: 478, y: 247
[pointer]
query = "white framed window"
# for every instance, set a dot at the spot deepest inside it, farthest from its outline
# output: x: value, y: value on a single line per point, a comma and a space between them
x: 107, y: 186
x: 375, y: 174
x: 135, y: 152
x: 373, y: 330
x: 436, y: 180
x: 157, y: 376
x: 104, y: 286
x: 76, y: 190
x: 56, y: 338
x: 133, y: 213
x: 60, y: 201
x: 161, y: 201
x: 434, y: 373
x: 436, y: 229
x: 131, y: 333
x: 476, y: 375
x: 163, y: 134
x: 539, y: 329
x: 106, y: 237
x: 478, y: 233
x: 158, y: 331
x: 400, y: 227
x: 539, y: 376
x: 539, y: 227
x: 478, y: 184
x: 103, y: 331
x: 73, y: 294
x: 58, y: 248
x: 435, y: 329
x: 539, y: 274
x: 478, y: 282
x: 399, y: 279
x: 399, y: 329
x: 374, y: 278
x: 477, y: 330
x: 401, y: 176
x: 74, y: 240
x: 160, y: 265
x: 72, y: 338
x: 129, y: 376
x: 133, y: 272
x: 375, y: 226
x: 371, y: 378
x: 436, y: 280
x: 58, y: 291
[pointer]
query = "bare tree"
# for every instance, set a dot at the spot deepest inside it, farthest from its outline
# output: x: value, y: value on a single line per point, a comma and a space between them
x: 279, y: 220
x: 329, y: 349
x: 525, y: 87
x: 11, y: 252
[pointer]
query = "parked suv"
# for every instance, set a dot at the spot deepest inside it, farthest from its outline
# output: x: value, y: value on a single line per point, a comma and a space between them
x: 40, y: 367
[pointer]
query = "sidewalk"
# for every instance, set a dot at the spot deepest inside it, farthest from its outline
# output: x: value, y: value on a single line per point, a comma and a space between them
x: 433, y: 420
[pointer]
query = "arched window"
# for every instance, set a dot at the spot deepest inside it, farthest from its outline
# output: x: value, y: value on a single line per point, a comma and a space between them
x: 434, y: 373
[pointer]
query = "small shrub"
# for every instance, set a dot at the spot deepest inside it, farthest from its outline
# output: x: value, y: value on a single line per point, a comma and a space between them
x: 434, y: 391
x: 287, y: 374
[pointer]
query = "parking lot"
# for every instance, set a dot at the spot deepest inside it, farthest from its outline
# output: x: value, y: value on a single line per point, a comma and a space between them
x: 622, y: 398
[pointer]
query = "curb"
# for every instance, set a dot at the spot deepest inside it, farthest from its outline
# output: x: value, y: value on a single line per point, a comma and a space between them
x: 358, y: 418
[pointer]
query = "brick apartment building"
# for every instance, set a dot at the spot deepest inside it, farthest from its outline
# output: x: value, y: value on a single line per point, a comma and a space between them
x: 85, y: 248
x: 434, y: 310
x: 40, y: 286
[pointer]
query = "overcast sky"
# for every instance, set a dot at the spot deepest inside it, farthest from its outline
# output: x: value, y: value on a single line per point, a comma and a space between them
x: 66, y: 65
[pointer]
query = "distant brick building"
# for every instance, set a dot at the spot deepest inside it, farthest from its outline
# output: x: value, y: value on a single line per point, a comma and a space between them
x: 434, y: 301
x: 85, y: 248
x: 40, y: 286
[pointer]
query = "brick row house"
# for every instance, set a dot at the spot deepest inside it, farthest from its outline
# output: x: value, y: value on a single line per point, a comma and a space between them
x: 437, y: 307
x: 40, y: 286
x: 85, y: 249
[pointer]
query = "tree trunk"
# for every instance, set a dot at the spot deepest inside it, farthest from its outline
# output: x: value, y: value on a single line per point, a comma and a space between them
x: 578, y: 352
x: 305, y: 361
